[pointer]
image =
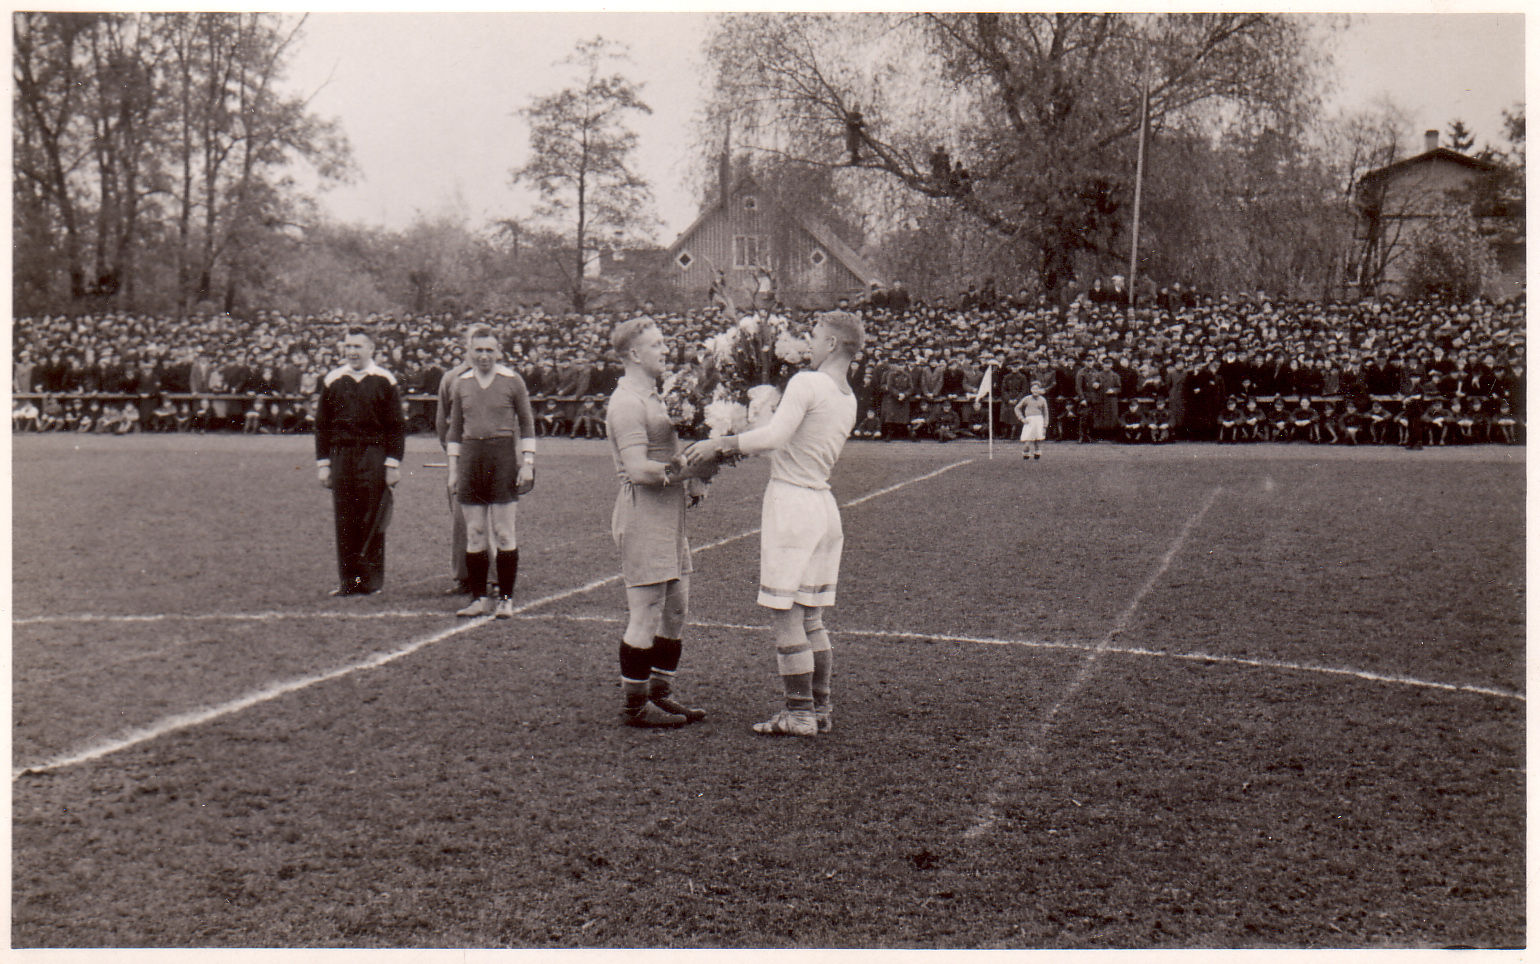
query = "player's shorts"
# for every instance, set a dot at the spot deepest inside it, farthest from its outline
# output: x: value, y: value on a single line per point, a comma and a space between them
x: 1033, y: 429
x: 489, y: 471
x: 800, y: 542
x: 648, y: 526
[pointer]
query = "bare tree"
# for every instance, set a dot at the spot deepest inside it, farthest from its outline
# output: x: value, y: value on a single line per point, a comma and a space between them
x: 155, y: 137
x: 1034, y: 112
x: 581, y: 157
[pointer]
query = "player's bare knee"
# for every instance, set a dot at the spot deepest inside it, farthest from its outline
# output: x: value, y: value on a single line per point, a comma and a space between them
x: 676, y: 607
x: 504, y: 528
x: 646, y: 607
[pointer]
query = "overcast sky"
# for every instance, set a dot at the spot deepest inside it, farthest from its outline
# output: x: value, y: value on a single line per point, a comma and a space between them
x: 429, y: 101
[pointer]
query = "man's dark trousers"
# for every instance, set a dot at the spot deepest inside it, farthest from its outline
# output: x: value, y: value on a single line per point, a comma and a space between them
x: 358, y: 491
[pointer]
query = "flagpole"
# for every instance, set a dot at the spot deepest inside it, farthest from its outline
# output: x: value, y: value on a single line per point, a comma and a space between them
x: 990, y: 410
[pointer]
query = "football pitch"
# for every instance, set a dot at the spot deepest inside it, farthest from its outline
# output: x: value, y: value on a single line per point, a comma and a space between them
x: 1193, y: 696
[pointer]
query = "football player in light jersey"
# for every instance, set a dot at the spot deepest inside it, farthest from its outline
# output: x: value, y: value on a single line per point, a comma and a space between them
x: 800, y: 536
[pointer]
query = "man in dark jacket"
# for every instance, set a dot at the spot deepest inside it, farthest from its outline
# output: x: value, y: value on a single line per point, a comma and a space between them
x: 360, y: 438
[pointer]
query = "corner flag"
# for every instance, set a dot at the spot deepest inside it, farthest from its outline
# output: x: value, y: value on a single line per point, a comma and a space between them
x: 987, y: 386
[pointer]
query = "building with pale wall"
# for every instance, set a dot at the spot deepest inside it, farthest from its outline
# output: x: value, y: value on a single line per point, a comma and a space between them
x: 1398, y: 200
x: 749, y: 244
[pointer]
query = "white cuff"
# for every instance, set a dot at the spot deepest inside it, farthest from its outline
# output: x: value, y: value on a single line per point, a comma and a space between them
x: 527, y: 445
x: 323, y: 463
x: 452, y: 449
x: 393, y: 463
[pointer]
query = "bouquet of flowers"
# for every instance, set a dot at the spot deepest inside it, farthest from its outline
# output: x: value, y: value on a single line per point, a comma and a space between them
x: 746, y: 367
x: 681, y: 399
x: 740, y: 377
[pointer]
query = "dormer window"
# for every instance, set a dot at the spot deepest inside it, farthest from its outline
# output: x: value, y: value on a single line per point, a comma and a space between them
x: 818, y: 257
x: 684, y: 260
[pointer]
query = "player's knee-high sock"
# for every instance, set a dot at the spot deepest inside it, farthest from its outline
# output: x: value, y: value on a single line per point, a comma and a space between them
x: 823, y: 659
x: 635, y: 671
x: 823, y: 673
x: 794, y: 659
x: 796, y: 668
x: 507, y: 571
x: 665, y: 664
x: 799, y: 691
x: 476, y: 564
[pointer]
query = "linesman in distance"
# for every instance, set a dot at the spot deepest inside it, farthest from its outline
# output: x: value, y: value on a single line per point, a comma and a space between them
x: 648, y: 524
x: 491, y: 448
x: 360, y: 437
x: 801, y: 537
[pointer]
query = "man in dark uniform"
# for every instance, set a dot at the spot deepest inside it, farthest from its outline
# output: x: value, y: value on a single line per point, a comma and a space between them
x: 360, y: 438
x: 1414, y: 405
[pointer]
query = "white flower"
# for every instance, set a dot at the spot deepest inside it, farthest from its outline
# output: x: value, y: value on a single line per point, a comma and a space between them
x: 762, y: 402
x: 722, y: 415
x: 722, y: 347
x: 749, y: 325
x: 791, y: 349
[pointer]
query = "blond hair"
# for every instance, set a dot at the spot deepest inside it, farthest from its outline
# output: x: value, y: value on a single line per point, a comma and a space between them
x: 626, y: 333
x: 849, y: 332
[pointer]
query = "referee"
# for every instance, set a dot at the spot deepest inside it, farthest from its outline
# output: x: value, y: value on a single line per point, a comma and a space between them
x: 491, y: 447
x: 360, y: 437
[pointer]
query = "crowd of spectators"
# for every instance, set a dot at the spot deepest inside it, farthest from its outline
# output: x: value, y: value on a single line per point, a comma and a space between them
x: 1185, y: 367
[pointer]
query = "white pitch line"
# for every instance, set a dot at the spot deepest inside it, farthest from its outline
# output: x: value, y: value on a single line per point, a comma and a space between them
x: 400, y: 614
x: 989, y: 815
x: 257, y: 617
x: 181, y: 721
x: 1272, y: 664
x: 192, y: 718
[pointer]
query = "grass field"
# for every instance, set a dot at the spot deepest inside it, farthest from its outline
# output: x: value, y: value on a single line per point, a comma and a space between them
x: 1262, y: 696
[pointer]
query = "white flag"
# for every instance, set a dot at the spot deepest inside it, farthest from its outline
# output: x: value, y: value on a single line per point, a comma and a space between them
x: 985, y: 386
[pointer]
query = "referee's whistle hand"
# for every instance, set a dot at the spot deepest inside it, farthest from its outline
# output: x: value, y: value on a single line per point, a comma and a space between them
x: 392, y: 475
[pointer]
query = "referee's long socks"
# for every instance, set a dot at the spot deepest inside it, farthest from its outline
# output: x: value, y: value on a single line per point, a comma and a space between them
x: 507, y: 571
x: 476, y: 572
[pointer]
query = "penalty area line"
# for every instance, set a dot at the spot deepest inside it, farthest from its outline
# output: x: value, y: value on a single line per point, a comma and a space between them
x: 182, y: 721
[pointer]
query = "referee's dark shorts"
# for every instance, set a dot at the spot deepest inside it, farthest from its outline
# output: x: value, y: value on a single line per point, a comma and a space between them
x: 489, y: 471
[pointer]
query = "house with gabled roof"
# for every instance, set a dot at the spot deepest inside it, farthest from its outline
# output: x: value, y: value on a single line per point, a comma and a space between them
x: 1396, y: 201
x: 746, y: 241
